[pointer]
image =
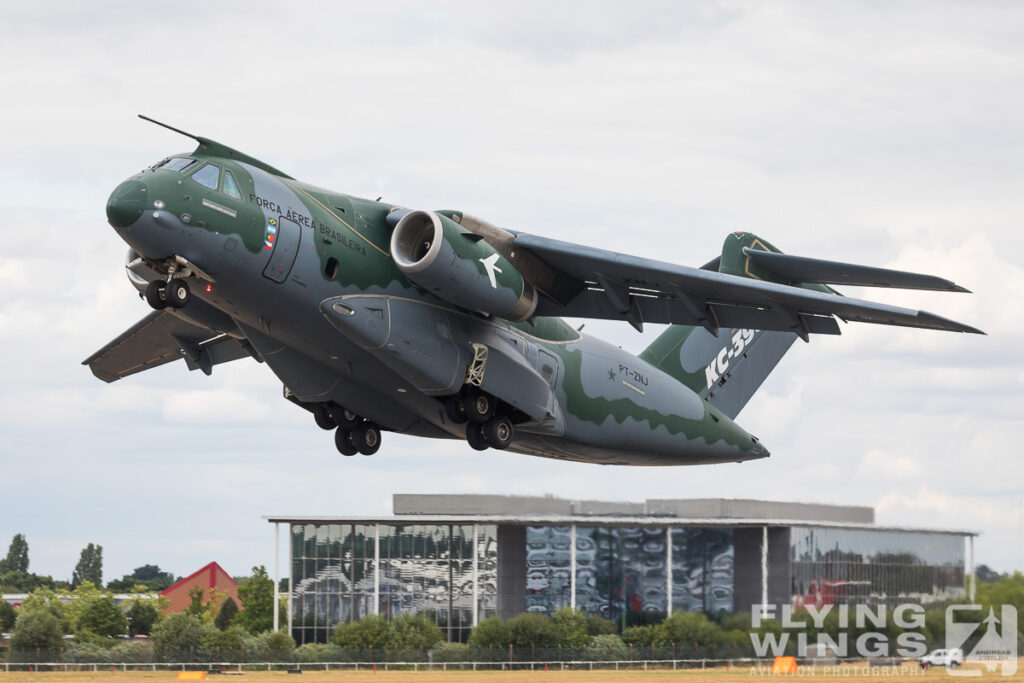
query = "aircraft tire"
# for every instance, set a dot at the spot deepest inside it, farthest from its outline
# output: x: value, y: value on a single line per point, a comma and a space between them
x: 343, y: 417
x: 343, y: 442
x: 177, y: 293
x: 475, y: 436
x: 323, y: 417
x: 155, y: 295
x: 453, y: 410
x: 366, y: 438
x: 478, y: 405
x: 499, y: 432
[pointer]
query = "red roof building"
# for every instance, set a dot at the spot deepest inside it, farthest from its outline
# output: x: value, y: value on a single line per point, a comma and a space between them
x: 212, y: 576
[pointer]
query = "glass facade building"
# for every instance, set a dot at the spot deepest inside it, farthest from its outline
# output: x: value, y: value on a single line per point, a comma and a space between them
x: 343, y: 571
x: 834, y: 566
x: 621, y: 570
x: 479, y: 556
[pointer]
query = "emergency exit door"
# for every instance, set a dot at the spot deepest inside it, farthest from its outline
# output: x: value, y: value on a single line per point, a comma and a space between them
x: 284, y: 250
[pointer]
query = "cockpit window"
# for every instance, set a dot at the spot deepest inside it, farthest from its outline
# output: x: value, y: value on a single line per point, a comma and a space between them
x: 230, y: 188
x: 178, y: 164
x: 207, y: 176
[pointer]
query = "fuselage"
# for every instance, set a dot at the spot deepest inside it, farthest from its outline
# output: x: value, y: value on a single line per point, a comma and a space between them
x: 305, y: 276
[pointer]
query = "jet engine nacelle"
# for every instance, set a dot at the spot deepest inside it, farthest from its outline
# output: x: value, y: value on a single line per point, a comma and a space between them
x: 460, y: 267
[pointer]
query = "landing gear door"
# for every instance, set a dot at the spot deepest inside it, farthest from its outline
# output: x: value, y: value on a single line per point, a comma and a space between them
x: 282, y: 238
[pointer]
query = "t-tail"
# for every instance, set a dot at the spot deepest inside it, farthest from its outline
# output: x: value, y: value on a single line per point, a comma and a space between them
x: 725, y: 366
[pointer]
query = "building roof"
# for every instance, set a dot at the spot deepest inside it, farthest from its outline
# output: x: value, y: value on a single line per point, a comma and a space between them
x: 550, y: 511
x: 211, y: 579
x: 211, y: 570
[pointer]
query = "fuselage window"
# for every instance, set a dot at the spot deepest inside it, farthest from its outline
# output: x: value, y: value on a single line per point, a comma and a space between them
x: 179, y: 164
x: 207, y: 176
x: 230, y: 187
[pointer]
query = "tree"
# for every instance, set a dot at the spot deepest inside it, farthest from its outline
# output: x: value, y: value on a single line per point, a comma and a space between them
x: 8, y: 615
x: 102, y: 617
x: 17, y: 556
x: 363, y: 634
x: 23, y: 582
x: 46, y: 600
x: 414, y: 631
x: 257, y: 596
x: 607, y: 647
x: 148, y: 577
x: 89, y: 567
x: 226, y: 614
x: 230, y: 643
x: 178, y: 636
x: 36, y: 630
x: 986, y: 574
x: 195, y: 602
x: 491, y: 632
x: 530, y: 629
x: 688, y: 628
x: 570, y: 628
x: 1009, y: 590
x: 279, y: 645
x: 141, y: 616
x: 599, y: 626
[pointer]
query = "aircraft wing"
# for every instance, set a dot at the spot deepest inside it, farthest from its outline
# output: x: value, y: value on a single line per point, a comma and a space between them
x: 622, y: 287
x: 159, y: 338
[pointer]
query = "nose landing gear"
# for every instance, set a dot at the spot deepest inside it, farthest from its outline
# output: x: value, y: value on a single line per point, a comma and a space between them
x: 155, y: 295
x: 159, y: 295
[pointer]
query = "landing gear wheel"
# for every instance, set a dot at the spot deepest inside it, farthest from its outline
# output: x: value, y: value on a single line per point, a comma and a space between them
x: 177, y: 293
x: 155, y: 295
x: 323, y: 417
x: 343, y: 417
x: 453, y: 410
x: 499, y: 432
x: 366, y: 438
x: 343, y: 442
x: 475, y: 436
x: 478, y: 406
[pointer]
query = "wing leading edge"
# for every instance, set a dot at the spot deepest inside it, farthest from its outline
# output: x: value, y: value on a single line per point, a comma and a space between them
x: 638, y: 290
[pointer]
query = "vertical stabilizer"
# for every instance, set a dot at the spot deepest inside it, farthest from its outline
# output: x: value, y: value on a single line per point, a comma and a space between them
x: 727, y: 369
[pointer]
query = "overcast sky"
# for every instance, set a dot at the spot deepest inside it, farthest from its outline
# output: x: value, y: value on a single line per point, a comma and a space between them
x: 882, y: 133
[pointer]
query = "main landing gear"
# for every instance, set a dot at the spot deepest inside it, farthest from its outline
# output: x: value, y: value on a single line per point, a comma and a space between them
x: 487, y: 425
x: 352, y: 434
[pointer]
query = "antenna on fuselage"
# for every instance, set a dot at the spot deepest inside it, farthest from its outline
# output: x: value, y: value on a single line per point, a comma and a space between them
x: 176, y: 130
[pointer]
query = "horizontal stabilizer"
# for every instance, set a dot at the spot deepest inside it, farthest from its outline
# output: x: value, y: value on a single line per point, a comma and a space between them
x: 811, y: 270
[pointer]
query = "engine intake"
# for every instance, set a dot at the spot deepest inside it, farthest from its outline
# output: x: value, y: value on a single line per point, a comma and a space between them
x: 460, y: 267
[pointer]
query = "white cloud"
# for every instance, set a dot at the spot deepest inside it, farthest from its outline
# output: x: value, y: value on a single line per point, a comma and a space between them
x: 213, y: 406
x: 878, y: 464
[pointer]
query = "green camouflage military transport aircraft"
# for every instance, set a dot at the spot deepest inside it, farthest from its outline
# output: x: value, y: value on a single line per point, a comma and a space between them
x: 438, y: 324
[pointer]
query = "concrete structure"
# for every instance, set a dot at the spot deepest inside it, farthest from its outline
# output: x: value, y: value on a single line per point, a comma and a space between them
x: 464, y: 557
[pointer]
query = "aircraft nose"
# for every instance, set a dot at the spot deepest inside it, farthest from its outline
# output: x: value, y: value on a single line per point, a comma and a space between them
x: 126, y: 203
